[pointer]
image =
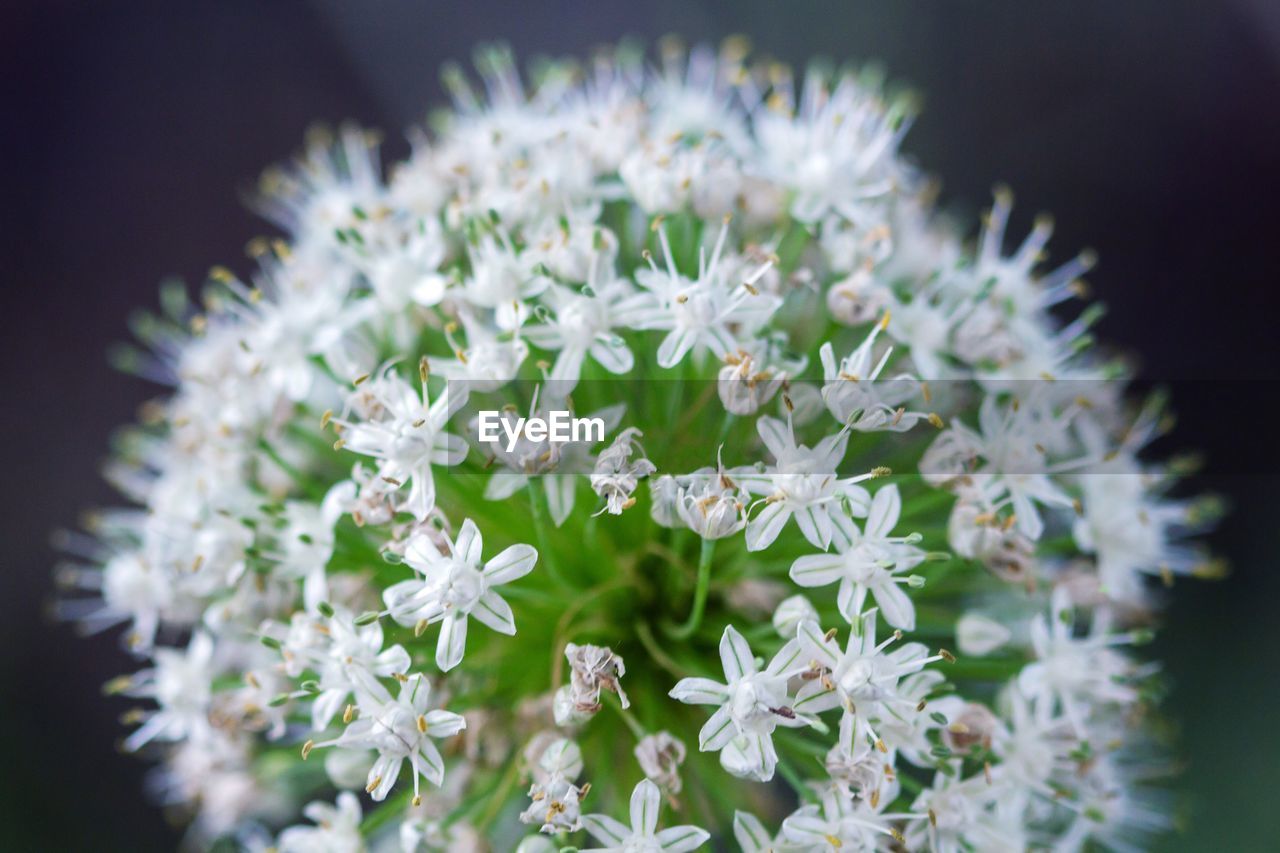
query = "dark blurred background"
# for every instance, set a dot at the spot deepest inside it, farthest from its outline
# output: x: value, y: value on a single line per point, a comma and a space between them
x: 1150, y: 129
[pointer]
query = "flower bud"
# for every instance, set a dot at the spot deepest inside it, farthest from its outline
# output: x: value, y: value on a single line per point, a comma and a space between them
x: 790, y: 613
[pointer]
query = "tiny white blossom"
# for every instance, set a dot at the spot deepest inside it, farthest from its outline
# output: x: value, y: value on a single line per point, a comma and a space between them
x: 456, y: 585
x: 616, y: 476
x: 336, y: 830
x: 643, y: 834
x: 857, y: 397
x: 400, y: 729
x: 660, y: 756
x: 790, y: 613
x: 802, y: 484
x: 868, y: 561
x: 408, y: 438
x: 752, y: 702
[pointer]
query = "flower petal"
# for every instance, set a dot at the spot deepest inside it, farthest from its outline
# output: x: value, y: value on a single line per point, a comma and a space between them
x: 606, y: 829
x: 646, y: 800
x: 735, y: 655
x: 717, y: 731
x: 896, y: 605
x: 768, y: 523
x: 514, y: 562
x: 817, y: 569
x: 492, y: 610
x: 886, y: 506
x: 467, y: 547
x: 699, y: 691
x: 453, y: 641
x: 679, y: 839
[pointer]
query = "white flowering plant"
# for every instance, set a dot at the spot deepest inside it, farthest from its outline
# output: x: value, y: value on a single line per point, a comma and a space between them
x: 862, y: 561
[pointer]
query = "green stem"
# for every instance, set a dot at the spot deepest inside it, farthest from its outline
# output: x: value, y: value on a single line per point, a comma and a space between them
x: 545, y: 551
x: 691, y: 624
x: 655, y: 651
x: 725, y: 428
x: 632, y: 723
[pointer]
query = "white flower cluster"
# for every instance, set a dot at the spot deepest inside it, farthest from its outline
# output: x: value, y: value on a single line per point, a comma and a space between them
x: 308, y: 505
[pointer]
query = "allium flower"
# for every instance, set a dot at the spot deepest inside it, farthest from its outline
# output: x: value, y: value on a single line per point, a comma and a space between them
x: 802, y: 483
x: 643, y: 834
x: 400, y: 729
x: 336, y: 830
x: 591, y: 670
x: 406, y: 435
x: 752, y: 704
x: 868, y: 562
x: 697, y: 248
x: 455, y: 586
x: 660, y: 757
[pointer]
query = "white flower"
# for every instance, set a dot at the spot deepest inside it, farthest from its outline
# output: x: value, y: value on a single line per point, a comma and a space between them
x: 802, y: 483
x: 868, y: 562
x: 591, y: 669
x: 838, y: 148
x: 708, y: 313
x: 556, y: 800
x: 403, y: 265
x: 132, y: 589
x: 582, y: 323
x: 790, y: 613
x: 489, y: 359
x: 854, y: 396
x: 409, y: 437
x: 321, y: 192
x: 336, y: 830
x: 864, y: 678
x: 858, y: 298
x: 500, y: 282
x: 616, y: 476
x: 660, y: 756
x: 752, y: 704
x: 643, y: 834
x: 841, y: 823
x: 1033, y: 745
x: 400, y: 729
x: 457, y: 585
x: 181, y: 683
x: 1078, y: 673
x: 977, y: 531
x: 350, y: 659
x: 859, y: 764
x: 711, y: 504
x: 1128, y: 526
x: 1013, y: 443
x: 556, y: 805
x: 957, y: 808
x: 745, y: 384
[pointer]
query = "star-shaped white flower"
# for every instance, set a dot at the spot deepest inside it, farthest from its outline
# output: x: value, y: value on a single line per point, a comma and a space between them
x: 643, y: 835
x: 407, y: 435
x: 752, y: 704
x: 864, y: 678
x: 400, y: 729
x: 801, y: 483
x: 457, y: 585
x: 868, y: 562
